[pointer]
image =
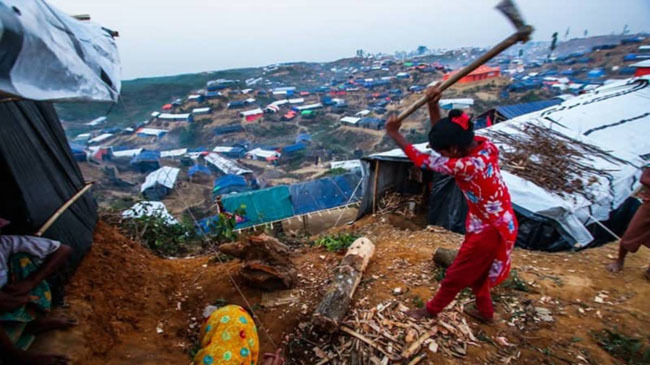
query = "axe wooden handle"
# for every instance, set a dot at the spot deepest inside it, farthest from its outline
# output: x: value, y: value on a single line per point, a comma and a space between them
x: 521, y: 35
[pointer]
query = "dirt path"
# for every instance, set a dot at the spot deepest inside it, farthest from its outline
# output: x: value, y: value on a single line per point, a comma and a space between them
x: 137, y: 308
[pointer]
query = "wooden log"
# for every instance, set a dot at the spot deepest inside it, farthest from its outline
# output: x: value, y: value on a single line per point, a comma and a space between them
x: 332, y: 309
x: 443, y: 257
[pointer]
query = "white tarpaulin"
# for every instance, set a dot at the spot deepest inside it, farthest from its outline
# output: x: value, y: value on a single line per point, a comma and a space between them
x: 165, y: 176
x: 149, y: 209
x: 225, y: 165
x: 48, y: 55
x: 617, y: 115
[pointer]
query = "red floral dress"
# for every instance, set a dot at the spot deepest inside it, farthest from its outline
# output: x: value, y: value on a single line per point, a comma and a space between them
x: 479, y: 178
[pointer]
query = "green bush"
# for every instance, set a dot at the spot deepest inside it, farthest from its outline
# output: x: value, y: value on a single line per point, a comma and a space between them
x: 336, y: 242
x: 160, y: 236
x: 629, y: 349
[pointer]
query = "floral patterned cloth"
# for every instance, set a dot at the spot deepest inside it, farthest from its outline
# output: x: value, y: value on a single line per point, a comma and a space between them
x: 478, y: 176
x: 229, y: 336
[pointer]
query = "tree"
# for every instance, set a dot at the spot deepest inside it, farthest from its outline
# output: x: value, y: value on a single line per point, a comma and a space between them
x: 422, y: 50
x: 586, y: 33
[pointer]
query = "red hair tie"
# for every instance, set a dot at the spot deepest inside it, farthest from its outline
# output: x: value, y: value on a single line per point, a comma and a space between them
x: 462, y: 121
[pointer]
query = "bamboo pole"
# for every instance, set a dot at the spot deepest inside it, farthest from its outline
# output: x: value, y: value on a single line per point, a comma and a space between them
x: 374, y: 191
x: 63, y: 208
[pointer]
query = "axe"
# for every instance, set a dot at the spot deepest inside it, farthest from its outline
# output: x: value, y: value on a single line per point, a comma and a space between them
x: 522, y: 34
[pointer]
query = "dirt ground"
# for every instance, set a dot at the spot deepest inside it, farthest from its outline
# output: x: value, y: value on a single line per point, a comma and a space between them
x: 137, y: 308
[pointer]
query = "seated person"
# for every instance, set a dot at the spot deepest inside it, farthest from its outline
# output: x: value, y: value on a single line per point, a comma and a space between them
x: 25, y: 263
x: 229, y: 336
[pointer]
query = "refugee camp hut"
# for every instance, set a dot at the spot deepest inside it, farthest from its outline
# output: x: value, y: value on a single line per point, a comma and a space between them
x: 146, y: 161
x: 199, y: 173
x: 641, y: 68
x: 481, y: 73
x: 175, y: 153
x: 196, y: 98
x: 158, y: 184
x: 224, y: 165
x: 596, y: 73
x: 350, y: 121
x: 82, y: 138
x: 185, y: 117
x: 228, y: 129
x: 293, y: 150
x: 372, y: 123
x: 462, y: 103
x: 100, y: 138
x: 313, y: 106
x: 231, y: 152
x: 260, y: 154
x: 125, y: 153
x: 210, y: 95
x: 237, y: 104
x: 325, y: 193
x: 151, y: 132
x: 201, y: 111
x: 252, y: 114
x: 228, y: 184
x: 505, y: 112
x: 262, y: 206
x: 644, y: 49
x: 303, y: 138
x: 78, y: 152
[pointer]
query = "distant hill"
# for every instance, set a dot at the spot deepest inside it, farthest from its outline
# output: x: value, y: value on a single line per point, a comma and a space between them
x: 140, y: 97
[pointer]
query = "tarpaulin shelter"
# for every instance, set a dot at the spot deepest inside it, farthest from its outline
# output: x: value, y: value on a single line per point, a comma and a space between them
x: 78, y: 152
x: 198, y: 170
x: 39, y: 174
x: 613, y: 118
x: 266, y: 205
x: 325, y: 193
x: 159, y: 183
x: 146, y: 161
x: 48, y: 55
x: 150, y: 209
x: 227, y: 129
x: 505, y: 112
x: 293, y: 148
x: 224, y: 165
x: 227, y: 184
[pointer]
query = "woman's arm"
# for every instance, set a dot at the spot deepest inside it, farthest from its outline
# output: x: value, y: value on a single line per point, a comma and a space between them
x: 645, y: 177
x: 51, y: 264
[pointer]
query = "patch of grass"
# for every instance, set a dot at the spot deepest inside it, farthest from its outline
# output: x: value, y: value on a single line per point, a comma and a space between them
x: 418, y: 302
x: 336, y: 242
x: 629, y: 349
x: 439, y: 273
x: 336, y: 171
x: 515, y: 282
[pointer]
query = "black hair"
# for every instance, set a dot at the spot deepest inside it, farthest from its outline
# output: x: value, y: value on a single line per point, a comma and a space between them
x: 445, y: 133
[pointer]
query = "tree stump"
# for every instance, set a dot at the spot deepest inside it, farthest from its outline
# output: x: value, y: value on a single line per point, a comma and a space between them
x: 332, y: 309
x: 266, y: 263
x: 443, y: 257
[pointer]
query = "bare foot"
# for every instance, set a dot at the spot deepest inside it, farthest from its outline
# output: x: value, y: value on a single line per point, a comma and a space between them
x: 419, y: 313
x: 49, y: 324
x: 43, y: 359
x: 615, y: 266
x: 474, y: 313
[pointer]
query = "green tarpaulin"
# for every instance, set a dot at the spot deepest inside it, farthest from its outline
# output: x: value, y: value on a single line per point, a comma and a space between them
x: 264, y: 205
x: 306, y: 112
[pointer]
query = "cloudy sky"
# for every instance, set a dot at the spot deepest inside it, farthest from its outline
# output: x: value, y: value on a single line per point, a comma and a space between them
x: 166, y: 37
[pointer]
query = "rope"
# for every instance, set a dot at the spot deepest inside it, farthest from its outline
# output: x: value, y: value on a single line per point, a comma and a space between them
x: 232, y: 280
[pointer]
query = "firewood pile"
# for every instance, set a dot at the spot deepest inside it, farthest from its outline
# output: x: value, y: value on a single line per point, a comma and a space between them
x: 386, y: 335
x: 401, y: 204
x: 550, y: 159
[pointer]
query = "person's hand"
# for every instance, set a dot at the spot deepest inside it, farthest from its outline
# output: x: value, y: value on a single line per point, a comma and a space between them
x: 393, y: 125
x: 22, y: 287
x: 273, y: 359
x: 433, y: 94
x: 12, y: 302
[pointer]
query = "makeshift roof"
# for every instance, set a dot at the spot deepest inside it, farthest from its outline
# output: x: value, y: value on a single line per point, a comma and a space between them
x: 350, y: 120
x: 255, y: 111
x: 261, y: 153
x: 515, y: 110
x: 645, y: 63
x: 266, y: 205
x: 165, y: 176
x: 173, y: 153
x: 195, y: 169
x: 168, y: 116
x: 149, y: 208
x: 146, y: 156
x: 101, y: 137
x: 293, y: 147
x: 325, y: 193
x: 225, y: 165
x: 228, y: 181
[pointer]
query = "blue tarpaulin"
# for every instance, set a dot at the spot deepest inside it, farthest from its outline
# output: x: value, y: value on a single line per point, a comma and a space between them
x: 227, y: 184
x: 325, y: 193
x: 146, y: 156
x: 228, y: 129
x: 511, y: 111
x: 303, y: 137
x: 78, y: 152
x: 596, y: 73
x: 292, y: 148
x: 199, y: 169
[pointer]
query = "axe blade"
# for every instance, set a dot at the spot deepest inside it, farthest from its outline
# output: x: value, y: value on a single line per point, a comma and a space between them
x: 509, y: 9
